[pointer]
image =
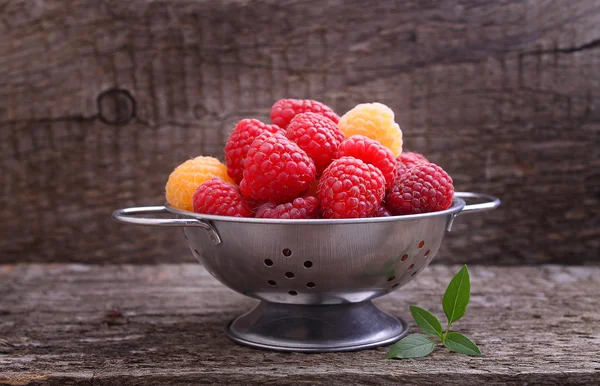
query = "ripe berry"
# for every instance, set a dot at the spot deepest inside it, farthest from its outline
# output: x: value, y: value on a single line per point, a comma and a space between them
x: 381, y: 212
x: 371, y: 152
x: 301, y: 207
x: 218, y: 197
x: 284, y: 110
x: 239, y: 142
x: 421, y: 188
x: 376, y: 121
x: 408, y: 158
x: 317, y: 135
x: 184, y: 180
x: 276, y: 170
x: 350, y: 188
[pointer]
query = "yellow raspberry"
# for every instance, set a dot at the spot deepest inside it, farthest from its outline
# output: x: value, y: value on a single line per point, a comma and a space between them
x: 376, y: 121
x: 186, y: 178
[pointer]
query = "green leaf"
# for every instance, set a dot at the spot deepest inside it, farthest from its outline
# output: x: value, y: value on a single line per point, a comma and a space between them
x: 427, y: 321
x: 457, y: 296
x: 413, y: 346
x: 461, y: 344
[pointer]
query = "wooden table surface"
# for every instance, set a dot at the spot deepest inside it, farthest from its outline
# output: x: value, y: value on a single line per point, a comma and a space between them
x: 156, y: 325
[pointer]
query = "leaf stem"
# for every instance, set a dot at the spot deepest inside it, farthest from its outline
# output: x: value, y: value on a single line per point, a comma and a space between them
x: 446, y: 332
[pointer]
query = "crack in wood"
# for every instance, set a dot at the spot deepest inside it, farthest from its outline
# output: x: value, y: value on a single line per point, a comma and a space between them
x: 66, y: 118
x: 587, y: 46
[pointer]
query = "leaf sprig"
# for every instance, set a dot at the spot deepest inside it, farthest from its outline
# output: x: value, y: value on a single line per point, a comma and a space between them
x: 455, y: 301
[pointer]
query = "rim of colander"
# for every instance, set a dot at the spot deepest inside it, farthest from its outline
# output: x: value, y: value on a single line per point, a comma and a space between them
x: 457, y: 205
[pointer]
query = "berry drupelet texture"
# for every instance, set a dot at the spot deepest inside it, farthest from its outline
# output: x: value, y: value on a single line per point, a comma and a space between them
x: 301, y: 208
x: 421, y: 188
x: 218, y: 197
x: 371, y: 152
x: 350, y: 188
x: 317, y: 135
x: 284, y: 110
x: 244, y: 133
x: 276, y: 170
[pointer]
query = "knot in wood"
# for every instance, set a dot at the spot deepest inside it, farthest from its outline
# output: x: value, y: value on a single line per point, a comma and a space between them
x: 116, y: 107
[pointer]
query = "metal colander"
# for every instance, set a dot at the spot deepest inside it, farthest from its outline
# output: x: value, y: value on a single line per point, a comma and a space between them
x: 316, y: 278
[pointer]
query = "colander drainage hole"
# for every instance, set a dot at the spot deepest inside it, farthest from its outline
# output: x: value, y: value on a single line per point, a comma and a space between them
x: 391, y: 278
x: 395, y: 285
x: 427, y: 252
x: 293, y: 293
x: 268, y: 262
x: 421, y: 243
x: 197, y: 253
x: 414, y: 273
x: 310, y: 284
x: 289, y: 275
x: 308, y: 264
x: 287, y: 252
x: 410, y: 267
x: 272, y: 283
x: 404, y: 257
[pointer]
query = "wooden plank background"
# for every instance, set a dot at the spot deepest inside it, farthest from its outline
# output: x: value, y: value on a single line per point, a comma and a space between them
x: 99, y: 100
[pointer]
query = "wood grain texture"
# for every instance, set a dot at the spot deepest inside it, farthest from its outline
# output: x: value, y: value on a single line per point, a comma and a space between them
x: 153, y: 325
x: 99, y: 100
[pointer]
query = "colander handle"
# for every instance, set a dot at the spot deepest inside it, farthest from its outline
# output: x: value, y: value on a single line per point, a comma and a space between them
x: 128, y: 216
x: 491, y: 203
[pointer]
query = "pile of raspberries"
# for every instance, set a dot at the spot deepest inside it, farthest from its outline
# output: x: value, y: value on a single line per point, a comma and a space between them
x: 302, y: 166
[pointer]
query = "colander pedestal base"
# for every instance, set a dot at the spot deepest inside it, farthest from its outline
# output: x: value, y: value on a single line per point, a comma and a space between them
x: 316, y: 328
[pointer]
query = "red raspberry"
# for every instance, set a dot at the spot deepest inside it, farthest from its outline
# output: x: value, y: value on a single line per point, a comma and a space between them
x: 216, y: 196
x: 301, y: 207
x: 381, y: 212
x: 239, y: 142
x: 421, y: 188
x: 409, y: 158
x: 371, y: 152
x: 374, y: 188
x: 284, y: 110
x: 350, y: 188
x: 276, y: 170
x: 317, y: 135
